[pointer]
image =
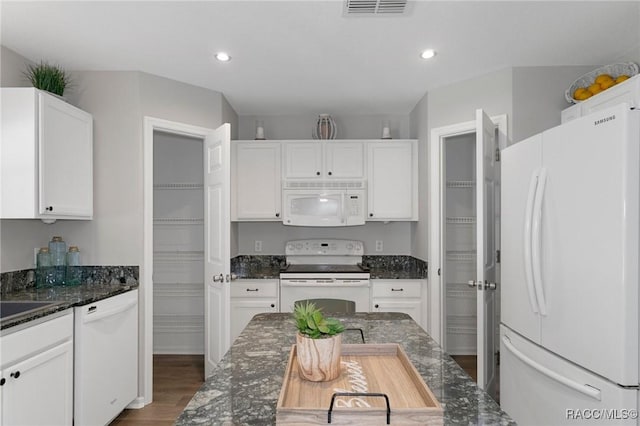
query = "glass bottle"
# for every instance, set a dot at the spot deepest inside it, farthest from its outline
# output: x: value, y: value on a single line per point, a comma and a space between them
x: 73, y: 271
x: 58, y: 253
x: 44, y: 270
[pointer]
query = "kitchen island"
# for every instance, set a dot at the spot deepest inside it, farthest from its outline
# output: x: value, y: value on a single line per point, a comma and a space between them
x: 244, y: 386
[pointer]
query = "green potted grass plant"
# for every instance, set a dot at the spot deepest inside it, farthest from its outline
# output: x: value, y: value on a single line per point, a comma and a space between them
x: 318, y: 343
x: 50, y: 78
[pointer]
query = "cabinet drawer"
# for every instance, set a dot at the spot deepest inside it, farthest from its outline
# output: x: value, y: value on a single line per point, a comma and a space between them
x: 396, y: 288
x: 257, y: 288
x: 31, y: 340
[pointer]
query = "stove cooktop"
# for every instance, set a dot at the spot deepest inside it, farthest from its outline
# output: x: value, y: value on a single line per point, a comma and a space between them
x: 330, y: 269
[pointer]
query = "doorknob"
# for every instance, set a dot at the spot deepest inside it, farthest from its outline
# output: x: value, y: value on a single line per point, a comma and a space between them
x: 218, y: 278
x: 472, y: 283
x: 231, y: 277
x: 489, y: 286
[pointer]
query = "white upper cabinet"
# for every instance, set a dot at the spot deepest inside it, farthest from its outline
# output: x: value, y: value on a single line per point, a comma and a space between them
x: 392, y: 180
x: 327, y: 159
x: 255, y: 180
x: 47, y: 157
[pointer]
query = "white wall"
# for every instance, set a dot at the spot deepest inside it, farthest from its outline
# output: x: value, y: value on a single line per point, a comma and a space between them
x: 396, y: 236
x: 300, y: 126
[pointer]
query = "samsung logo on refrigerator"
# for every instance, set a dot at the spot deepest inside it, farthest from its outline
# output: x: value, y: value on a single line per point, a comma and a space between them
x: 604, y: 120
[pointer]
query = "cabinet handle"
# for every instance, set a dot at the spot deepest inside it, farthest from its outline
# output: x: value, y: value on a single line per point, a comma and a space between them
x: 330, y: 173
x: 370, y: 214
x: 317, y: 173
x: 15, y: 375
x: 376, y: 306
x: 273, y: 305
x: 252, y: 289
x: 397, y: 289
x: 277, y: 214
x: 49, y: 209
x: 3, y: 381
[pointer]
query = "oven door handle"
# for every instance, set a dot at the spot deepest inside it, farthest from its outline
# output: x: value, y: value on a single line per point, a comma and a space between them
x: 327, y: 282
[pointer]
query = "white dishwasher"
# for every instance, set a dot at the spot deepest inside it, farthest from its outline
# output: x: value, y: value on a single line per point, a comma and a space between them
x: 106, y: 358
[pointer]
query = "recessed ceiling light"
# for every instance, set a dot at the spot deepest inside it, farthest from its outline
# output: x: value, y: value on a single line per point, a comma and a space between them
x: 223, y: 57
x: 429, y: 53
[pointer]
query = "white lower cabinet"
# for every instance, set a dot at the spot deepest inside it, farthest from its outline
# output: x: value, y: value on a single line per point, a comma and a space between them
x: 249, y: 298
x: 406, y: 296
x: 36, y: 374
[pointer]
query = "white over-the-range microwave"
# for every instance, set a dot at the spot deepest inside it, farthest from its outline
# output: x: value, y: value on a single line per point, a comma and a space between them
x: 324, y: 203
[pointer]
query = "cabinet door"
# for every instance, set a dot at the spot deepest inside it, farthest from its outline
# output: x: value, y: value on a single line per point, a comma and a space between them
x: 257, y: 181
x: 65, y: 147
x: 411, y: 307
x: 242, y: 310
x: 392, y: 180
x: 302, y: 160
x: 343, y: 160
x: 39, y: 390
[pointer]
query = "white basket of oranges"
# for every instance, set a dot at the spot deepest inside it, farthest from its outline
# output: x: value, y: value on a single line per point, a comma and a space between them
x: 599, y: 80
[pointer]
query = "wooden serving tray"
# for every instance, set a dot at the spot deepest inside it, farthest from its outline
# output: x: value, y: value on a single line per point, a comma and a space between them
x: 380, y: 369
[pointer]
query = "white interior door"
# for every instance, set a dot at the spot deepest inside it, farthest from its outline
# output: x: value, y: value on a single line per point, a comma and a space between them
x: 485, y: 283
x: 217, y: 247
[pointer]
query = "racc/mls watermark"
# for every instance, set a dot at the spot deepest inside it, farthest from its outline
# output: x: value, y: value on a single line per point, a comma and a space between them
x: 600, y: 414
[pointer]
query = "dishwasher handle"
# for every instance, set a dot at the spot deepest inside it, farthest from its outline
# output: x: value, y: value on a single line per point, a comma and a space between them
x: 94, y: 314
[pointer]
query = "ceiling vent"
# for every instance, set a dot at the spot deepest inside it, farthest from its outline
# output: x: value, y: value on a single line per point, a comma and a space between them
x: 375, y: 7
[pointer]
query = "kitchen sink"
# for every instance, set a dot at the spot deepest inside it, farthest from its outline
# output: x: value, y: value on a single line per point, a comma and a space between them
x: 14, y: 308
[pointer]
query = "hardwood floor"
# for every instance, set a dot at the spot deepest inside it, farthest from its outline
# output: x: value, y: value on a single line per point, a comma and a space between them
x: 468, y: 364
x: 176, y: 378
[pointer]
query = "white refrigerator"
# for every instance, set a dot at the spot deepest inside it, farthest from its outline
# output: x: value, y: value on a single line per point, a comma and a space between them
x: 569, y: 302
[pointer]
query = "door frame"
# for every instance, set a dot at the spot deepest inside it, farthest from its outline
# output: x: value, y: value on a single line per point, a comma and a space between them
x: 145, y: 356
x: 437, y: 327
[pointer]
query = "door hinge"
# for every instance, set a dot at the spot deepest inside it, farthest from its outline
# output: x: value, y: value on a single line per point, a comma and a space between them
x: 497, y: 154
x: 497, y: 256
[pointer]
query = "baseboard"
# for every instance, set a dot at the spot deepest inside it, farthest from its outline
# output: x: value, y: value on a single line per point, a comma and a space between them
x: 137, y: 403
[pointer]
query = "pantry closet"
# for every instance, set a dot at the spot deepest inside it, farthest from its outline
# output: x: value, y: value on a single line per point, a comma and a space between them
x: 459, y: 239
x: 178, y: 245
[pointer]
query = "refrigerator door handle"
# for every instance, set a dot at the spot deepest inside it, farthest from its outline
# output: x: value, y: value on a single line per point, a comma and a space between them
x: 585, y: 389
x: 528, y: 267
x: 536, y: 236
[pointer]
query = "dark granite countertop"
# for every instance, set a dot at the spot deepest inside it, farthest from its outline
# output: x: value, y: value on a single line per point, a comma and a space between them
x: 244, y: 386
x: 382, y: 266
x: 67, y: 296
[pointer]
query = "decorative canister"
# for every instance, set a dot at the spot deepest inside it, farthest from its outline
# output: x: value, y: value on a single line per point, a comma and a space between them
x: 325, y: 127
x: 44, y: 270
x: 74, y: 272
x: 58, y: 253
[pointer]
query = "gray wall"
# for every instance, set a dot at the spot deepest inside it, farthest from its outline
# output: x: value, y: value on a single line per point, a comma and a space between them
x: 396, y: 236
x: 300, y: 126
x: 11, y: 67
x: 420, y: 130
x: 538, y: 97
x: 118, y: 102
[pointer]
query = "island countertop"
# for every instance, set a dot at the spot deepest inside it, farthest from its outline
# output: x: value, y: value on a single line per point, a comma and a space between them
x: 244, y: 386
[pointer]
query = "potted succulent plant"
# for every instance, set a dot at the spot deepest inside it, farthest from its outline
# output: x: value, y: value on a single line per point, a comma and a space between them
x: 318, y: 343
x: 48, y: 77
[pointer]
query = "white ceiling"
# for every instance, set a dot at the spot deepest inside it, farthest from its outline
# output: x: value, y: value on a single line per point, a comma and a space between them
x: 306, y: 57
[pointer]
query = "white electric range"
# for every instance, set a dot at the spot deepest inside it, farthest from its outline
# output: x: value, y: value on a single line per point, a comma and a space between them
x: 327, y: 271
